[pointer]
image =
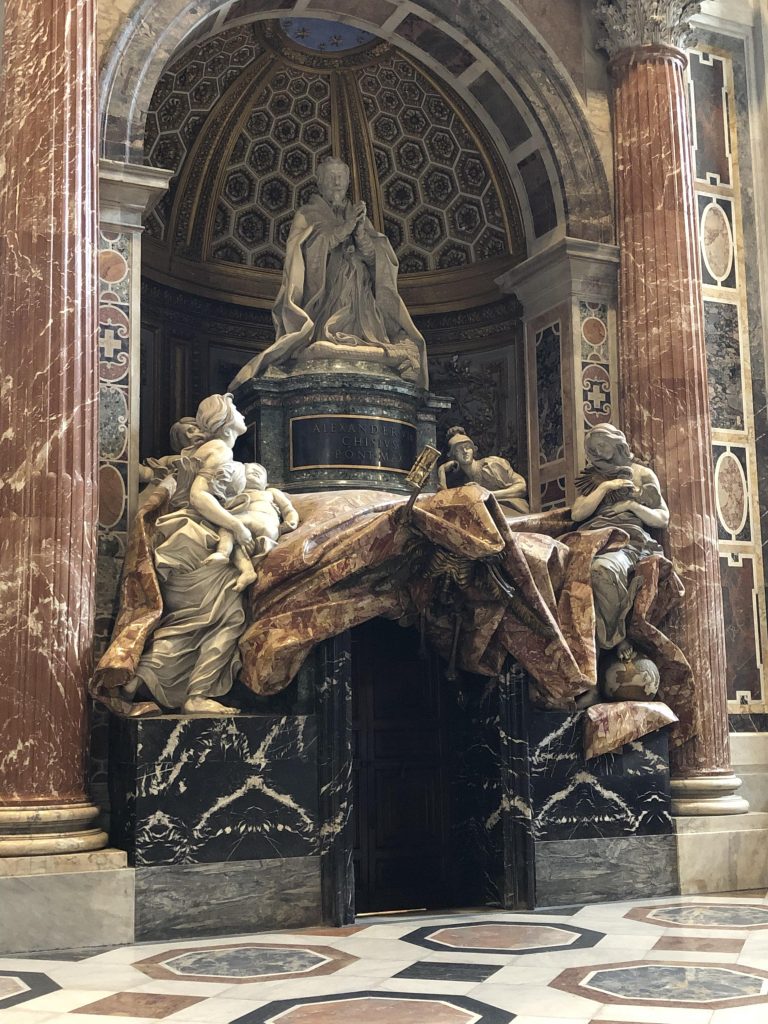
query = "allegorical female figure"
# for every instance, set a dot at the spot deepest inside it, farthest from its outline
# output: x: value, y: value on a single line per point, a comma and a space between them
x: 616, y: 491
x: 492, y: 472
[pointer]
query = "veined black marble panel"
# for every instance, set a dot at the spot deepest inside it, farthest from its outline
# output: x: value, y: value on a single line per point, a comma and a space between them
x: 205, y: 790
x: 748, y: 723
x: 194, y: 900
x: 622, y: 794
x: 605, y: 869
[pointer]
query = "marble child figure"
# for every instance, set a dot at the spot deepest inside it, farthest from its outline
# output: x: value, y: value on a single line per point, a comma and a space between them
x: 616, y: 491
x: 492, y: 472
x: 339, y: 297
x: 266, y: 512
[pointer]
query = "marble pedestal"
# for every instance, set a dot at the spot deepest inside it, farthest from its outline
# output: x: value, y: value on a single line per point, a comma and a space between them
x: 602, y: 828
x: 326, y: 427
x: 219, y: 818
x: 65, y: 901
x: 719, y: 854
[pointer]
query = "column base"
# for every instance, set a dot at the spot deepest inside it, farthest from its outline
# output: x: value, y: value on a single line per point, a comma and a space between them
x: 30, y: 830
x: 707, y: 794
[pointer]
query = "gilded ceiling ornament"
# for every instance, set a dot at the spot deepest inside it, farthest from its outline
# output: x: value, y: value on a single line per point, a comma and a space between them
x: 631, y: 23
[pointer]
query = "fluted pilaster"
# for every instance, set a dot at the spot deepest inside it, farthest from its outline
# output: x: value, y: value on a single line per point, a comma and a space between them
x: 48, y: 422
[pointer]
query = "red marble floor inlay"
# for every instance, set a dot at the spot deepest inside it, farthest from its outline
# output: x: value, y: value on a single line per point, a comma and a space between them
x: 381, y: 1010
x: 694, y: 944
x: 139, y: 1004
x: 503, y: 936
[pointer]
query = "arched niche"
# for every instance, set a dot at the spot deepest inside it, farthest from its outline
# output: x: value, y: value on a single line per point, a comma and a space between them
x: 486, y: 51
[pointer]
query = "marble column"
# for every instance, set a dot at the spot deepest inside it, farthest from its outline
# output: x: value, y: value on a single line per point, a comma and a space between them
x: 662, y: 356
x: 48, y: 423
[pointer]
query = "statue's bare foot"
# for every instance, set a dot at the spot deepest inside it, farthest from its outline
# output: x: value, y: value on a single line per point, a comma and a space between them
x: 625, y: 651
x: 588, y: 698
x: 217, y: 556
x: 206, y: 706
x: 245, y: 579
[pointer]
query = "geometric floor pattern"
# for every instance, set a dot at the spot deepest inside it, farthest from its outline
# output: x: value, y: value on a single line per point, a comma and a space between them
x: 683, y: 960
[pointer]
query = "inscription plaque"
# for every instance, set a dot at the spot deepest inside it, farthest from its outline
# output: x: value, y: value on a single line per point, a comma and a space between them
x: 352, y: 442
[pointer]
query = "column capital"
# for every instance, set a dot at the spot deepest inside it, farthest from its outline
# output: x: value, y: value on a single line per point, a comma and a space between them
x: 631, y: 24
x: 128, y: 192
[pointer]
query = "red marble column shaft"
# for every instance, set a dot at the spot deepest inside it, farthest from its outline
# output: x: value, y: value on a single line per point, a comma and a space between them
x: 662, y: 361
x: 48, y: 420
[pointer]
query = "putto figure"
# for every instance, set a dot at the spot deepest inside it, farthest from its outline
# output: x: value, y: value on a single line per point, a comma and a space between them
x: 339, y: 297
x: 492, y: 471
x: 614, y: 490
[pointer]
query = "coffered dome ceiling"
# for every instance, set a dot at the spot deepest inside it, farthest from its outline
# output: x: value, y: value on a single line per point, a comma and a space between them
x: 245, y: 116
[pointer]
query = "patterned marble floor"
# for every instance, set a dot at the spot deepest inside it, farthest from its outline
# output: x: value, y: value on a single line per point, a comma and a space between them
x: 684, y: 960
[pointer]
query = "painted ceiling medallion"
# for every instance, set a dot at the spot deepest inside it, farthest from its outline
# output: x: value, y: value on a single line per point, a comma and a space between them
x: 324, y: 36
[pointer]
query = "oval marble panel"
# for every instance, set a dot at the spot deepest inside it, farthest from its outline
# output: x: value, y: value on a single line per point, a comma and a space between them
x: 731, y: 493
x: 113, y: 422
x: 111, y: 496
x: 716, y: 241
x: 594, y: 331
x: 112, y: 266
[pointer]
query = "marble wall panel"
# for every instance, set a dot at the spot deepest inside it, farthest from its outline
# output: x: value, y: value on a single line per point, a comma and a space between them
x: 719, y: 87
x: 709, y: 113
x: 622, y: 794
x: 114, y: 263
x: 438, y: 44
x: 553, y: 494
x: 596, y: 389
x: 734, y: 521
x: 549, y: 395
x: 742, y: 625
x: 503, y: 113
x: 721, y: 332
x: 199, y: 790
x: 533, y: 171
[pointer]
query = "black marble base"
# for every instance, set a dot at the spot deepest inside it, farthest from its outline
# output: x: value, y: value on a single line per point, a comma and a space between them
x: 211, y: 790
x: 193, y: 900
x: 621, y: 794
x: 592, y: 870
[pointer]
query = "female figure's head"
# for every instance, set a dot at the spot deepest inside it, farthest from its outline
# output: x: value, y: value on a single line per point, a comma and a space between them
x: 219, y: 419
x: 461, y: 447
x: 606, y: 447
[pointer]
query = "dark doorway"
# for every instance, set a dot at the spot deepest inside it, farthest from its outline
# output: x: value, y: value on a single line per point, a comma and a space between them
x: 400, y: 776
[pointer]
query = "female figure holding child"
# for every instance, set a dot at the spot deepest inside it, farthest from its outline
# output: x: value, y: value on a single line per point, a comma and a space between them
x: 201, y: 550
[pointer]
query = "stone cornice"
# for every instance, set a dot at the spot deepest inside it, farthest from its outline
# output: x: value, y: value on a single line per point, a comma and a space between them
x: 629, y: 24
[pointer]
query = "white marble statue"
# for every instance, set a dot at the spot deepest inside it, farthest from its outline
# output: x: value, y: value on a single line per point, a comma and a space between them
x: 339, y: 297
x: 493, y: 472
x: 616, y: 491
x: 191, y: 657
x: 266, y: 512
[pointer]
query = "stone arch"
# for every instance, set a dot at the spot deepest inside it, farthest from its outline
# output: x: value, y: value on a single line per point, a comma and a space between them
x: 527, y: 100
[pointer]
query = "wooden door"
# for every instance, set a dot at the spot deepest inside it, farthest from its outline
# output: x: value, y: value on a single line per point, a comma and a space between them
x: 399, y: 777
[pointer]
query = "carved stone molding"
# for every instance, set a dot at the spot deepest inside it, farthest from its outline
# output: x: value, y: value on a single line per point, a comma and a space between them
x: 629, y: 24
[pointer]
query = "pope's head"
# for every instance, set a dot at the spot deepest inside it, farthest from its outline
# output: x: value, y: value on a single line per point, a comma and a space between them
x: 333, y: 180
